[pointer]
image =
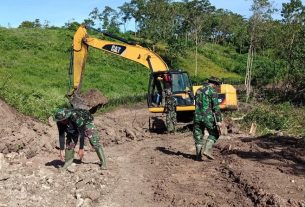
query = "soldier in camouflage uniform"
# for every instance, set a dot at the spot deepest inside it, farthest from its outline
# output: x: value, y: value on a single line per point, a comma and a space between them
x: 170, y: 110
x: 206, y: 111
x: 75, y: 122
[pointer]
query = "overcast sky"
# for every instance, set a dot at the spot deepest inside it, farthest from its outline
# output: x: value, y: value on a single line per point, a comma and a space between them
x: 58, y: 12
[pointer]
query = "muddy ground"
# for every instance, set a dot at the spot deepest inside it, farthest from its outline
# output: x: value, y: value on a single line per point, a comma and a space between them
x: 146, y: 168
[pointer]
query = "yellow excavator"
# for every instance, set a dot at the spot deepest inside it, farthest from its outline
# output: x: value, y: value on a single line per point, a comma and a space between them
x: 161, y: 76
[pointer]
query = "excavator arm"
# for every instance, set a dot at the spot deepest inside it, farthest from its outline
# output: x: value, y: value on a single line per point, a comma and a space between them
x: 136, y: 53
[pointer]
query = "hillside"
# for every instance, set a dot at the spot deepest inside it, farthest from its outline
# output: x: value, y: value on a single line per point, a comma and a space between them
x: 34, y: 66
x: 34, y: 71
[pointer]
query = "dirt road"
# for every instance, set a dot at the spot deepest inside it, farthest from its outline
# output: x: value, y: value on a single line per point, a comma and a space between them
x: 146, y: 168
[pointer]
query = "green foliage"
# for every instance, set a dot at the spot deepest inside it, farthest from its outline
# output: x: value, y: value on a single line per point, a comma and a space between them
x: 277, y: 117
x: 72, y: 25
x: 108, y: 19
x: 266, y: 68
x: 175, y: 49
x: 29, y: 24
x: 267, y: 118
x: 266, y: 71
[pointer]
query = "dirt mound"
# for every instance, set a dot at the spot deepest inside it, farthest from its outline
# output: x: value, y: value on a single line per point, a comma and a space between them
x: 90, y: 100
x: 21, y: 133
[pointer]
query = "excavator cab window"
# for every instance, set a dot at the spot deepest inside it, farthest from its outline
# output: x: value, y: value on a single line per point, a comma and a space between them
x: 182, y: 88
x: 180, y: 82
x: 155, y: 90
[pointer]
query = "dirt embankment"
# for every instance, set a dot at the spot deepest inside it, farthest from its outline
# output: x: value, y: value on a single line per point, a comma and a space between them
x: 146, y: 168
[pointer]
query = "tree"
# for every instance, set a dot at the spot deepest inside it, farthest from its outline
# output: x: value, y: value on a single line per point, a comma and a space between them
x: 95, y: 16
x: 196, y: 19
x: 137, y: 10
x: 72, y: 25
x: 37, y: 23
x: 46, y: 24
x: 89, y: 22
x: 228, y: 27
x: 293, y: 46
x: 106, y: 20
x: 26, y: 24
x: 154, y: 18
x: 262, y: 10
x: 109, y: 18
x: 125, y: 13
x: 29, y: 24
x: 159, y: 19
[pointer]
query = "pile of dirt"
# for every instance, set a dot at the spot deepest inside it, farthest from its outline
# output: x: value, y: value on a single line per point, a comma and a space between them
x: 90, y: 100
x: 21, y: 133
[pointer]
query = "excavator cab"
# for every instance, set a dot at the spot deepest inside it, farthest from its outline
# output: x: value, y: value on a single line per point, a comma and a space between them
x: 179, y: 84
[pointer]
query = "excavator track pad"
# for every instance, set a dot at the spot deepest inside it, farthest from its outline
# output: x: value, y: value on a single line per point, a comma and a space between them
x: 90, y: 100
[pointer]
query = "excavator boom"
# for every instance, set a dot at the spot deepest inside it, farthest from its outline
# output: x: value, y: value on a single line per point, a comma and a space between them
x: 135, y: 53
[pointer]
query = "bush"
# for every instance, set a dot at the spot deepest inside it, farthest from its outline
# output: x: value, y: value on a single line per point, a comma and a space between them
x: 279, y: 117
x: 267, y: 119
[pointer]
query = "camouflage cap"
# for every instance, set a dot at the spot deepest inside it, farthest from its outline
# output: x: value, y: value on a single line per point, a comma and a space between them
x: 61, y: 114
x: 168, y: 91
x: 214, y: 80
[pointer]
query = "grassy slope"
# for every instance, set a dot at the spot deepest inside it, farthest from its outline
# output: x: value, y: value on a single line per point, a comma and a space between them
x: 34, y: 63
x: 207, y: 68
x: 212, y: 61
x: 33, y: 71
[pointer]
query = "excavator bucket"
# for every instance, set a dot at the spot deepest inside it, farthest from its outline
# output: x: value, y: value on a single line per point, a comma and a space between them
x: 90, y: 100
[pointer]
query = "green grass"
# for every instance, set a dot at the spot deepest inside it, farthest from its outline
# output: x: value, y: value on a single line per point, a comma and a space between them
x: 211, y: 62
x: 225, y: 57
x: 206, y: 68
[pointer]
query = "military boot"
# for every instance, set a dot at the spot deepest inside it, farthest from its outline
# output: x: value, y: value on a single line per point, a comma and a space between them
x: 101, y: 156
x: 69, y: 157
x: 198, y: 152
x: 208, y: 149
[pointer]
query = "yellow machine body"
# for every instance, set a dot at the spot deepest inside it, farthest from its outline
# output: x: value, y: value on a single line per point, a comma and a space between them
x: 150, y: 60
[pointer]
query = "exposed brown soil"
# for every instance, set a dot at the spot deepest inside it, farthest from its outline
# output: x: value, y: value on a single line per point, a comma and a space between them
x: 146, y: 168
x: 90, y: 100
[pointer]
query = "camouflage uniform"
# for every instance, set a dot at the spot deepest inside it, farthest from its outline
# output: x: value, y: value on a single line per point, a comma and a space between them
x: 207, y: 105
x: 170, y: 110
x: 71, y: 132
x: 78, y: 122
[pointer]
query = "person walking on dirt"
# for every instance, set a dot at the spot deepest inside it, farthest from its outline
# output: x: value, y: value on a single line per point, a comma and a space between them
x: 207, y: 116
x: 170, y: 110
x: 75, y: 122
